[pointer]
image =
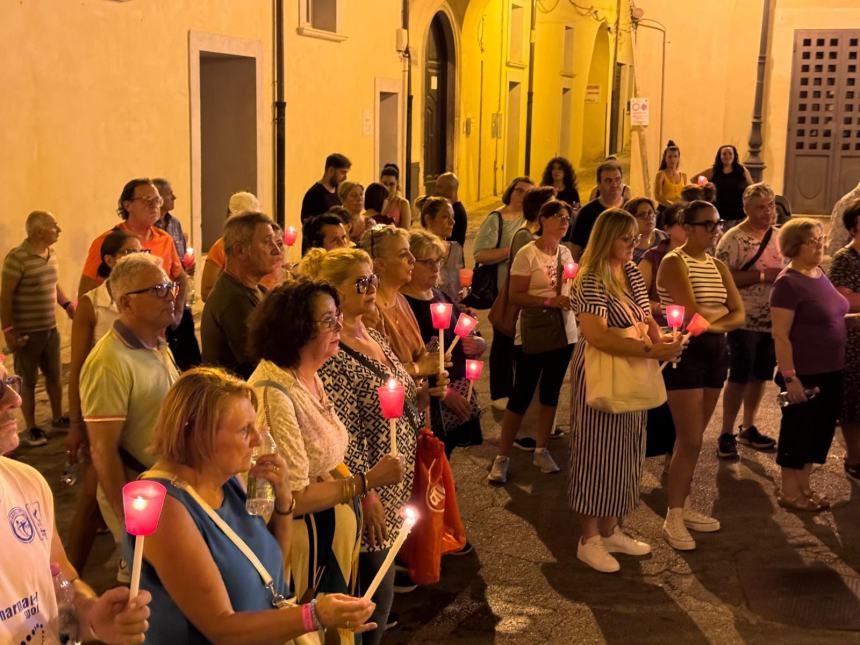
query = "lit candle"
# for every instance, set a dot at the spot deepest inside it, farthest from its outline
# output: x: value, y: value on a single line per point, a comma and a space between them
x: 675, y: 317
x: 141, y: 501
x: 701, y: 180
x: 465, y: 326
x: 698, y: 325
x: 290, y: 235
x: 570, y: 270
x: 391, y: 398
x: 473, y: 373
x: 466, y: 278
x: 440, y: 312
x: 409, y: 519
x: 188, y: 258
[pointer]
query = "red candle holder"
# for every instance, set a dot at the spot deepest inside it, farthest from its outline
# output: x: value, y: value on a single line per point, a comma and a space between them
x: 698, y: 325
x: 440, y: 312
x: 188, y: 258
x: 474, y: 369
x: 701, y: 180
x: 465, y: 325
x: 570, y: 269
x: 142, y: 501
x: 391, y: 397
x: 466, y: 278
x: 290, y: 235
x: 675, y: 316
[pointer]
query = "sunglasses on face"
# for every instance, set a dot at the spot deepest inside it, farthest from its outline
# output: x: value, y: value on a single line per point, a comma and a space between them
x: 160, y: 291
x: 710, y: 225
x: 331, y: 323
x: 12, y: 382
x: 365, y: 283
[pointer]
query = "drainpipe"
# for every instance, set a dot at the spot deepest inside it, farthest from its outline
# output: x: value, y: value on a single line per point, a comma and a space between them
x: 407, y: 57
x: 657, y: 26
x: 280, y: 114
x: 754, y: 162
x: 530, y: 94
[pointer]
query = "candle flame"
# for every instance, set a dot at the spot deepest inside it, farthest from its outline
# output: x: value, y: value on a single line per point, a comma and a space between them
x: 392, y: 384
x: 138, y: 504
x: 190, y: 250
x: 409, y: 516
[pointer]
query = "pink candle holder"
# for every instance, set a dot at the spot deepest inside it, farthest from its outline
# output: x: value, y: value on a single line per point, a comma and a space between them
x: 675, y: 317
x: 391, y: 397
x: 465, y: 326
x: 188, y: 258
x: 474, y: 368
x: 698, y: 325
x: 142, y: 501
x: 701, y: 180
x: 440, y: 312
x: 466, y: 278
x: 290, y: 235
x: 570, y: 270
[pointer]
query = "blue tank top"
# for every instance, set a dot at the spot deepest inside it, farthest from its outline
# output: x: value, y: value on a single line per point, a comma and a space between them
x: 167, y: 624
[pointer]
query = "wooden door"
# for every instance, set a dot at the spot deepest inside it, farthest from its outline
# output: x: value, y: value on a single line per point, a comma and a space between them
x: 435, y: 104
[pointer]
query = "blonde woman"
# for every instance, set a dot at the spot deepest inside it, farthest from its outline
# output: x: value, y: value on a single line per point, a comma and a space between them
x: 607, y: 449
x: 352, y: 195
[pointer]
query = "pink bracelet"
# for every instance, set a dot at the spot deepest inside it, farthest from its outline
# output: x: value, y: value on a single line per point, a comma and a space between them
x: 307, y: 618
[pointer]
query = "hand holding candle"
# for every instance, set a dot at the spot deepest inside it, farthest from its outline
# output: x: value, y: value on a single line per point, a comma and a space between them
x: 466, y: 278
x: 570, y: 270
x: 142, y: 501
x: 440, y: 312
x: 290, y: 235
x: 391, y: 397
x: 675, y: 317
x: 473, y: 373
x: 465, y: 326
x: 701, y: 180
x: 409, y: 519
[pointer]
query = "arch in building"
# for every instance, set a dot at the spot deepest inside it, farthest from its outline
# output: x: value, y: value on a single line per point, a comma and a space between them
x: 596, y: 98
x: 438, y: 110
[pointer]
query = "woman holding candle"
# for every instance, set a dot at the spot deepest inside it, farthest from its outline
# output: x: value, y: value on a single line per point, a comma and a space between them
x: 204, y: 586
x: 809, y: 334
x: 650, y: 236
x: 352, y: 377
x: 845, y: 276
x: 455, y: 419
x: 607, y: 448
x: 537, y: 283
x: 690, y: 277
x: 493, y: 247
x: 437, y: 216
x: 295, y: 329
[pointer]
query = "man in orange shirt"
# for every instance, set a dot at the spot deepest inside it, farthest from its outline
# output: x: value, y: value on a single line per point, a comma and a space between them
x: 140, y: 207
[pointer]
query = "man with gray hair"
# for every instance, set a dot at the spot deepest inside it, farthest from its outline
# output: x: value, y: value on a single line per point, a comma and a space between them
x: 125, y: 378
x: 29, y: 293
x: 751, y: 252
x: 251, y: 249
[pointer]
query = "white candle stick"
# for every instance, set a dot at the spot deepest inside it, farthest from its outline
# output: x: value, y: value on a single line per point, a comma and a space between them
x: 469, y: 393
x: 453, y: 344
x: 392, y: 431
x: 684, y: 339
x: 408, y: 522
x: 441, y: 350
x: 135, y: 567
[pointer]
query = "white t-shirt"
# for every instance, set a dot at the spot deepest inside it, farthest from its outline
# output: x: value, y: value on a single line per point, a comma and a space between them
x: 542, y: 269
x: 28, y: 607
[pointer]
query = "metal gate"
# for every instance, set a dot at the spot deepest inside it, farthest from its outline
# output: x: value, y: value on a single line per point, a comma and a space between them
x: 823, y: 152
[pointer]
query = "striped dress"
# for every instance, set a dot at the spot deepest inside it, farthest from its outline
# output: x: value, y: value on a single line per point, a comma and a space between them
x: 606, y: 450
x: 705, y: 279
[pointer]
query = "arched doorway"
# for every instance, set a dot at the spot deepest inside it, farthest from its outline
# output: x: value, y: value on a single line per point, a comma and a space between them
x: 595, y: 101
x: 438, y: 100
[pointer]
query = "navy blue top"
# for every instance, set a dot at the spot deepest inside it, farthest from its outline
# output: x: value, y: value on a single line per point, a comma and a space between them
x: 167, y: 624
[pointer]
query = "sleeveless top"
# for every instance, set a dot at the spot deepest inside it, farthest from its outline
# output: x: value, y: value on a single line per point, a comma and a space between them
x: 671, y: 191
x: 704, y: 277
x: 104, y: 309
x: 730, y: 190
x: 167, y: 624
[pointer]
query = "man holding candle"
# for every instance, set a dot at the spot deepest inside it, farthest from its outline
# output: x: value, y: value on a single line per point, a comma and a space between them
x: 32, y: 544
x: 751, y: 252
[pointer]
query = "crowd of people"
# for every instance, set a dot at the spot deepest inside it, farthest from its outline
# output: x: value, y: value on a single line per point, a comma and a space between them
x: 671, y: 297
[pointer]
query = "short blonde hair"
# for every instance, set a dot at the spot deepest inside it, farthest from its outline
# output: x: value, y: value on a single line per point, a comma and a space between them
x: 795, y: 233
x: 334, y: 266
x: 376, y: 240
x: 345, y: 188
x: 191, y: 415
x: 422, y: 243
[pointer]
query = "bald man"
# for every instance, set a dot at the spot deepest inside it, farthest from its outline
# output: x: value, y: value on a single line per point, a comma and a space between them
x: 447, y: 186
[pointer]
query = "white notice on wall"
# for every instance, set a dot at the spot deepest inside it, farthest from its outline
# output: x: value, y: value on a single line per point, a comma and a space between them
x: 639, y: 111
x: 592, y: 93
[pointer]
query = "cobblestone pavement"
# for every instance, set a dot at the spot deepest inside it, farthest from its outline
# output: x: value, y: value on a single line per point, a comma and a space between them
x: 768, y: 576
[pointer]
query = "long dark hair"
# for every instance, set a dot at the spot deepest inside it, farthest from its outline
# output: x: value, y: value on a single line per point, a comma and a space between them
x: 111, y: 245
x: 737, y: 166
x: 671, y: 146
x: 567, y: 168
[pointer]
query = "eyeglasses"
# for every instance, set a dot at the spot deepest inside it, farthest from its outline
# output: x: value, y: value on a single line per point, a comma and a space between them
x: 364, y: 284
x: 648, y: 215
x: 564, y: 219
x: 13, y: 383
x: 122, y: 253
x: 332, y: 323
x: 430, y: 262
x: 631, y: 240
x: 152, y: 202
x: 815, y: 241
x: 160, y: 291
x: 709, y: 225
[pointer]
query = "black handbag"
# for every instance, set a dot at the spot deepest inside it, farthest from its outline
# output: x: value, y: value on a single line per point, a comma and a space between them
x: 542, y: 329
x: 485, y: 279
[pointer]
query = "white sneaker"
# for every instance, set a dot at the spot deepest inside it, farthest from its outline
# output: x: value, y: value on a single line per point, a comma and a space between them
x: 500, y: 404
x: 545, y: 462
x: 620, y: 542
x: 594, y: 554
x: 499, y: 471
x: 676, y: 533
x: 696, y: 521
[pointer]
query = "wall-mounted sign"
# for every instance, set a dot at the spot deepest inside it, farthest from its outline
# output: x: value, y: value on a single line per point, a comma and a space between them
x: 639, y: 111
x: 592, y: 93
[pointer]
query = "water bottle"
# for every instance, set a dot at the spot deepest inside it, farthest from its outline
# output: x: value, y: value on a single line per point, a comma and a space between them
x: 67, y: 617
x: 71, y: 470
x: 261, y: 493
x: 782, y: 397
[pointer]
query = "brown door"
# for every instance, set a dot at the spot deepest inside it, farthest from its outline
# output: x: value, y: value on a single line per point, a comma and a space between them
x: 823, y: 153
x: 438, y: 101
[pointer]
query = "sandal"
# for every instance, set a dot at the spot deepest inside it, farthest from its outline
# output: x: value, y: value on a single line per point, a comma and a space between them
x: 799, y: 503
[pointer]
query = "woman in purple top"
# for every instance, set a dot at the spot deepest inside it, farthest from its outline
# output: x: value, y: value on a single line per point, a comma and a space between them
x: 808, y: 316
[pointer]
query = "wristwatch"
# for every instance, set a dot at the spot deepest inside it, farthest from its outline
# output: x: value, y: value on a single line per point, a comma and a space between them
x: 788, y: 379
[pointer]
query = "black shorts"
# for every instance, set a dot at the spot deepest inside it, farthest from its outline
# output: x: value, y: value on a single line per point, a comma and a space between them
x: 751, y: 356
x: 806, y: 429
x: 704, y: 364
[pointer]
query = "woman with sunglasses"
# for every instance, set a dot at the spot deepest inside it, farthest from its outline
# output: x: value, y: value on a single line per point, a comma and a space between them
x: 293, y: 331
x: 538, y: 286
x: 703, y: 285
x: 351, y: 377
x: 95, y: 315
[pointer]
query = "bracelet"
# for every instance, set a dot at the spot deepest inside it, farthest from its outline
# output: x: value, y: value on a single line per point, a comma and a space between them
x: 307, y: 617
x: 289, y: 511
x: 316, y: 619
x: 788, y: 373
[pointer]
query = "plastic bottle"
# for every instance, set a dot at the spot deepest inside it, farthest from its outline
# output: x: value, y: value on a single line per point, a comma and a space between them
x: 782, y: 397
x: 71, y: 470
x: 67, y: 621
x: 261, y: 493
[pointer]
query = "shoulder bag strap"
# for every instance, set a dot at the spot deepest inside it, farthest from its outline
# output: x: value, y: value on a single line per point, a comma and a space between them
x: 761, y: 247
x: 278, y: 600
x: 501, y: 228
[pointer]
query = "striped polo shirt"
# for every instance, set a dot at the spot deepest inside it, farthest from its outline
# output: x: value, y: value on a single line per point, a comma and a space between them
x: 35, y: 297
